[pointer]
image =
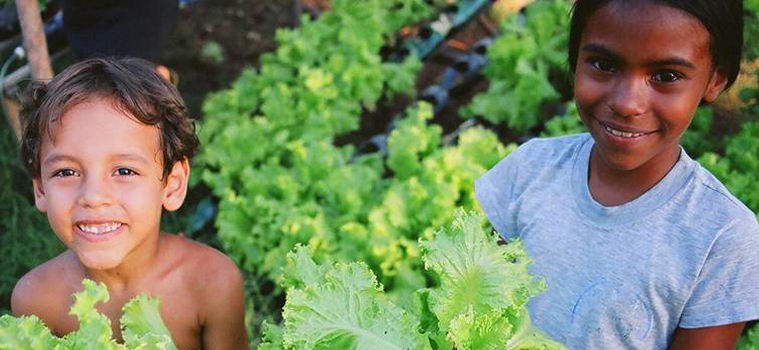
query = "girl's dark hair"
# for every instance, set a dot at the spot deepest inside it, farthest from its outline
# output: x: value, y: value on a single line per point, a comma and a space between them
x: 134, y: 88
x: 722, y: 18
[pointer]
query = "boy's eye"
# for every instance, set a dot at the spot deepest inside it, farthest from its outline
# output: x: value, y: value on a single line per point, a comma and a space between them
x: 603, y: 65
x: 667, y: 77
x: 125, y: 172
x: 65, y: 173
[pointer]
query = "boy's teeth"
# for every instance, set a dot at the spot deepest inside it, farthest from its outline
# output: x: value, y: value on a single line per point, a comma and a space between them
x: 620, y: 133
x: 99, y: 229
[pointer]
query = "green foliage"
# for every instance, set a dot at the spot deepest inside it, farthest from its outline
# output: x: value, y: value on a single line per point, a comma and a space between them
x: 342, y: 307
x: 520, y: 61
x: 699, y: 138
x: 750, y: 340
x: 26, y: 239
x: 751, y: 30
x: 141, y: 325
x: 738, y: 169
x: 479, y: 304
x: 750, y: 96
x: 566, y: 124
x: 269, y: 153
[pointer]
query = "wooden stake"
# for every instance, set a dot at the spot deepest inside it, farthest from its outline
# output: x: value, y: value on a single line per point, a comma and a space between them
x: 35, y: 44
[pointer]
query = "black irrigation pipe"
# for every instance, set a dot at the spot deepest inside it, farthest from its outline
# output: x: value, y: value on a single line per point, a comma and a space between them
x: 430, y: 36
x: 465, y: 68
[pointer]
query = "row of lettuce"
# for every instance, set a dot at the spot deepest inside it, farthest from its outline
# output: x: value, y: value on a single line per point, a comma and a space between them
x: 292, y: 186
x: 269, y: 156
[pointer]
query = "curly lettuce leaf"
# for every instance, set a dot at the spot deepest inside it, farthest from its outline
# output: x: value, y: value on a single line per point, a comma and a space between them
x: 346, y: 309
x: 142, y: 326
x: 141, y: 323
x: 27, y: 332
x: 94, y: 328
x: 483, y: 287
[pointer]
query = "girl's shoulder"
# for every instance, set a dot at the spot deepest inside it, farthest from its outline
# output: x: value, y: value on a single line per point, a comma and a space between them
x: 540, y: 155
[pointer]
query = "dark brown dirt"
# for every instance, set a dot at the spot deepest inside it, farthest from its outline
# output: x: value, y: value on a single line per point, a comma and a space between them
x: 243, y: 28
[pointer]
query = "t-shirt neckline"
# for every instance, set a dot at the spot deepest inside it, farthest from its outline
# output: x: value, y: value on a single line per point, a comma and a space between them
x: 636, y: 209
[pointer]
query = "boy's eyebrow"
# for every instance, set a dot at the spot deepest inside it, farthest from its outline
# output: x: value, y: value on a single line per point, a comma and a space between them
x: 130, y: 156
x: 669, y: 61
x: 56, y: 157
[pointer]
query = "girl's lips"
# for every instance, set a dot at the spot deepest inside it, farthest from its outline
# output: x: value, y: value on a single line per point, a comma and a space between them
x: 623, y: 137
x: 98, y: 232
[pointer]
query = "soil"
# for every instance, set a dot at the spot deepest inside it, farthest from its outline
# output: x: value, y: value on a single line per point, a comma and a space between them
x: 244, y: 30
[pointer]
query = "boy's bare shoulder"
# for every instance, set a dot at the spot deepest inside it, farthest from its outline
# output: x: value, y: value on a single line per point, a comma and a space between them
x: 217, y: 285
x: 205, y: 266
x: 46, y: 290
x: 214, y: 279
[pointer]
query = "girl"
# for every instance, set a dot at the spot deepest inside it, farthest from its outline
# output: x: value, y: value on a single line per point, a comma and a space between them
x: 641, y: 247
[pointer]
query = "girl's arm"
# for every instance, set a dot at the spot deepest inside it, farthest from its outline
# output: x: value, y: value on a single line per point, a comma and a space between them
x: 707, y: 338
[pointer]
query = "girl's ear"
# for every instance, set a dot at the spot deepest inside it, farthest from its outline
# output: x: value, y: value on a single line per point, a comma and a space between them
x: 175, y: 189
x: 717, y: 84
x: 39, y: 195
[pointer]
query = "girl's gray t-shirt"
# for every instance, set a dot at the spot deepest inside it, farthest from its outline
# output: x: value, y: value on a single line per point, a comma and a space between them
x: 683, y: 254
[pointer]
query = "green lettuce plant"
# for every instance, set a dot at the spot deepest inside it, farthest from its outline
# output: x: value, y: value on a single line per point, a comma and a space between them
x: 141, y: 326
x: 478, y: 304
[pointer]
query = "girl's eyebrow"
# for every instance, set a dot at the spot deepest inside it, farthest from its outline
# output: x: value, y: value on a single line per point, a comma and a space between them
x: 669, y: 61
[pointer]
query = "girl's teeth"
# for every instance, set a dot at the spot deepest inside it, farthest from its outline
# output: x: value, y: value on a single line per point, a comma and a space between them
x: 99, y: 229
x: 620, y: 133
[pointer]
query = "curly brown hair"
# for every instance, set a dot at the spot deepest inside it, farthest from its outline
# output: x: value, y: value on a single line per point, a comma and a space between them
x: 134, y: 88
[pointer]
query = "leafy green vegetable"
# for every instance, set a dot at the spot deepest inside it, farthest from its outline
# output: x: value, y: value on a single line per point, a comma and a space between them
x: 699, y: 138
x: 141, y: 325
x: 345, y: 309
x: 484, y: 287
x: 520, y: 61
x: 739, y: 168
x: 566, y: 124
x: 480, y: 303
x: 269, y: 154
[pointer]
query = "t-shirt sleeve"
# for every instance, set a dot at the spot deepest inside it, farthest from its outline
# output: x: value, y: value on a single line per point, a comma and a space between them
x: 727, y: 289
x: 495, y: 191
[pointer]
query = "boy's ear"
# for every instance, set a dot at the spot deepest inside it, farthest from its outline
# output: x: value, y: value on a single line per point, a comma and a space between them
x: 176, y: 185
x: 39, y: 195
x: 717, y: 84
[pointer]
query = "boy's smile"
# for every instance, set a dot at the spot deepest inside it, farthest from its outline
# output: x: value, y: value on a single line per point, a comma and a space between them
x: 642, y: 71
x: 101, y: 184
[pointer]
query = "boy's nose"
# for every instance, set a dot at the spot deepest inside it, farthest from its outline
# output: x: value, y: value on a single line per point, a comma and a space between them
x: 94, y: 192
x: 629, y: 97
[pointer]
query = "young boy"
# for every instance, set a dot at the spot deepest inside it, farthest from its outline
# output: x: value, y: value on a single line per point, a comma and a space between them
x: 640, y: 246
x: 108, y: 144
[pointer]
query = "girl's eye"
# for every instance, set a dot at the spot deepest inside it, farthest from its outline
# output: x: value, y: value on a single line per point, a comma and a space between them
x: 603, y: 65
x: 65, y: 173
x: 667, y: 77
x: 125, y: 172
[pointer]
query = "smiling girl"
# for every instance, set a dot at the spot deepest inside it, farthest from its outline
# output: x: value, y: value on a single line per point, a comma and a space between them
x: 640, y: 246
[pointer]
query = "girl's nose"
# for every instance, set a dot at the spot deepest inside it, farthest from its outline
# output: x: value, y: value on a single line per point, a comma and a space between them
x: 94, y: 192
x: 629, y: 97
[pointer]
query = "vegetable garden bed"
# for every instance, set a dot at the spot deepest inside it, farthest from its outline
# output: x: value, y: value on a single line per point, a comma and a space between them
x: 280, y: 169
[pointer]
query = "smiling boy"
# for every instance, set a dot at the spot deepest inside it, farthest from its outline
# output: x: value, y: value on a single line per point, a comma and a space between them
x: 108, y: 144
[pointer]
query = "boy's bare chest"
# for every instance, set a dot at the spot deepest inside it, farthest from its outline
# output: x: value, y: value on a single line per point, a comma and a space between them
x: 178, y: 311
